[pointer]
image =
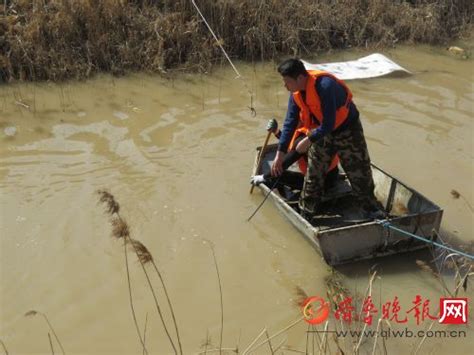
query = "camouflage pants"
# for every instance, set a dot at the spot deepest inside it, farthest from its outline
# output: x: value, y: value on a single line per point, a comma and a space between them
x: 351, y: 147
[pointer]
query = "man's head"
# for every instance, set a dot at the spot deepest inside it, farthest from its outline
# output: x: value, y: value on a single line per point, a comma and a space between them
x: 294, y: 74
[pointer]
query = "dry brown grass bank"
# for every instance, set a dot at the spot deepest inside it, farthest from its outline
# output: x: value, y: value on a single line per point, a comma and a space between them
x: 61, y: 39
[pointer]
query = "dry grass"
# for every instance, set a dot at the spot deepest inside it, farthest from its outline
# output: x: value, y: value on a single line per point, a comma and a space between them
x: 62, y: 39
x: 34, y: 313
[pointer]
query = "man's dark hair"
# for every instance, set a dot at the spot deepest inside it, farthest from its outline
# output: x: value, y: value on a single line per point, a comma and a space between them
x: 292, y: 67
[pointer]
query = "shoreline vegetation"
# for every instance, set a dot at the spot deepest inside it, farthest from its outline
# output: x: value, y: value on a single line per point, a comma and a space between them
x: 75, y: 39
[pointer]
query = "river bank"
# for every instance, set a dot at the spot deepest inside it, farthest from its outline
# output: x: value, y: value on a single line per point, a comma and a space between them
x: 58, y: 40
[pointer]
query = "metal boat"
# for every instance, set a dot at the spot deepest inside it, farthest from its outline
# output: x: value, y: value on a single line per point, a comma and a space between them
x: 342, y: 235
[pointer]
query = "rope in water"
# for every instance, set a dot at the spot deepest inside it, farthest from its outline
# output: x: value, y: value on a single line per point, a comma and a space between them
x: 387, y: 224
x: 252, y: 109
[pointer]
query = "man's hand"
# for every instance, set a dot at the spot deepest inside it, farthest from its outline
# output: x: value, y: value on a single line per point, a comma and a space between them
x: 272, y: 125
x: 257, y: 180
x: 277, y: 166
x: 303, y: 146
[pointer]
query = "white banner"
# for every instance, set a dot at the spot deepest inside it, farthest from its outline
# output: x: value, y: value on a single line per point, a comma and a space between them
x: 371, y: 66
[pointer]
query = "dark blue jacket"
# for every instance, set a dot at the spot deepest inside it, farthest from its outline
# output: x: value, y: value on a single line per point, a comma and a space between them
x: 332, y: 96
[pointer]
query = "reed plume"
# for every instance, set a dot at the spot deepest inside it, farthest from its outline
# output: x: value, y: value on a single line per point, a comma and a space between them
x: 301, y: 296
x: 108, y: 200
x: 456, y: 195
x: 34, y: 313
x: 121, y: 230
x: 142, y: 252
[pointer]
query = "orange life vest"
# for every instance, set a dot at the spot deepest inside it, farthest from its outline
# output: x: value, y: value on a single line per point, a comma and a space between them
x: 312, y: 106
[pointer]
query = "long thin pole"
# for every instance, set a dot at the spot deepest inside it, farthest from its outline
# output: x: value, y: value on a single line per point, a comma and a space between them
x: 266, y: 196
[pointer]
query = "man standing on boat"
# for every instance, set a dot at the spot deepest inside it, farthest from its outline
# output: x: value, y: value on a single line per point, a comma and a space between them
x: 321, y: 107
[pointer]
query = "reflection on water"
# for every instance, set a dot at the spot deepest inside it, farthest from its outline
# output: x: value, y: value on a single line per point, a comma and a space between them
x: 177, y: 155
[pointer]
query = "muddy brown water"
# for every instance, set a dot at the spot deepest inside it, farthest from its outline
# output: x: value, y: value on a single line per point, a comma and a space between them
x: 177, y: 155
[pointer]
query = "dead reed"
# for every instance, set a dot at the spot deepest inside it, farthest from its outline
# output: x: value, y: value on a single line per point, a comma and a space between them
x: 300, y: 296
x: 252, y: 347
x: 144, y: 332
x: 34, y: 313
x: 62, y: 39
x: 455, y: 194
x: 145, y: 257
x: 4, y: 347
x: 51, y: 343
x: 221, y: 301
x: 206, y: 343
x: 337, y: 292
x: 130, y: 294
x: 462, y: 267
x: 120, y: 230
